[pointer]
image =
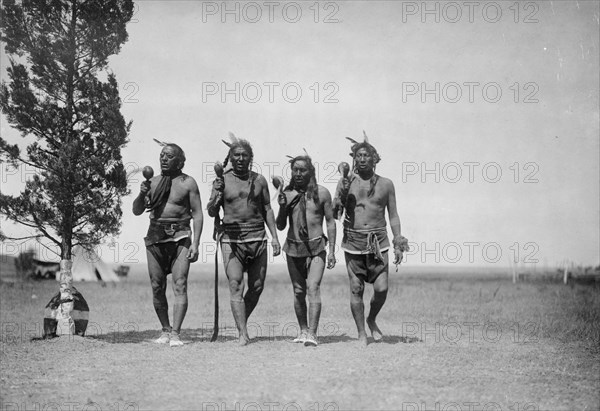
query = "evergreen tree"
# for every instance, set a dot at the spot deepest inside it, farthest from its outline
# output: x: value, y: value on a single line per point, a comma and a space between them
x: 61, y: 92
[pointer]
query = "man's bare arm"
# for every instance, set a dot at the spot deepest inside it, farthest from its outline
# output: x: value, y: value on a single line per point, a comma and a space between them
x: 392, y: 210
x: 394, y: 222
x: 216, y: 197
x: 198, y: 217
x: 339, y: 200
x: 269, y: 215
x: 329, y: 220
x: 282, y: 215
x: 139, y: 204
x: 331, y: 229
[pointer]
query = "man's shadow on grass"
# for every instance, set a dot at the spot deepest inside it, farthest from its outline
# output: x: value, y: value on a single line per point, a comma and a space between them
x: 188, y: 335
x: 228, y: 334
x: 395, y: 339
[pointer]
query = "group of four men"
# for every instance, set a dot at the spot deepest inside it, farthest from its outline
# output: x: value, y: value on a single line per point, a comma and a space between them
x: 362, y: 197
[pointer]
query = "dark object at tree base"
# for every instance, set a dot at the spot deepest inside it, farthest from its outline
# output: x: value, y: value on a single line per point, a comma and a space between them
x: 80, y: 315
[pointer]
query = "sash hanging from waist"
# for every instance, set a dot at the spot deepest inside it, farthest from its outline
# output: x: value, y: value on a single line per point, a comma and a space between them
x: 369, y: 241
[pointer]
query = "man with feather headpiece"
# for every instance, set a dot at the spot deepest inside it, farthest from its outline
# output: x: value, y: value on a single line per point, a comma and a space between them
x: 366, y: 196
x: 244, y: 196
x: 172, y: 199
x: 306, y: 204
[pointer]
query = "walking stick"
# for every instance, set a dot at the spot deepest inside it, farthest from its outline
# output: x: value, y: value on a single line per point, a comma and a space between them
x: 218, y: 167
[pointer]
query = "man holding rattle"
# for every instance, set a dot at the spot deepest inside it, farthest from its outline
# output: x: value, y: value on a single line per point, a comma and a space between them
x: 244, y: 196
x: 366, y: 196
x: 306, y: 204
x: 173, y: 200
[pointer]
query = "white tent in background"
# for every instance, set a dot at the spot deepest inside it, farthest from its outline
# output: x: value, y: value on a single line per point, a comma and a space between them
x: 88, y: 266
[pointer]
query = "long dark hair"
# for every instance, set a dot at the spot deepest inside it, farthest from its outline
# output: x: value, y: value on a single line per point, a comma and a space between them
x: 312, y: 190
x: 245, y: 145
x: 376, y: 159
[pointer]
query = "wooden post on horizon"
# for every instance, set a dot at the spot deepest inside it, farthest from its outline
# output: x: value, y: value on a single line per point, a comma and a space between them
x: 511, y: 263
x: 566, y: 272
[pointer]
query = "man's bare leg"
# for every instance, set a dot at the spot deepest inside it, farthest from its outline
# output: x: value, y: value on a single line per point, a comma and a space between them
x: 256, y: 281
x: 315, y: 275
x: 158, y: 281
x: 235, y: 274
x: 180, y: 275
x: 357, y: 288
x: 380, y: 290
x: 296, y: 268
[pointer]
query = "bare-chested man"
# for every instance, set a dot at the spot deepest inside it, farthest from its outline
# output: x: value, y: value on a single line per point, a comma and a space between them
x: 244, y: 196
x: 366, y: 196
x: 172, y: 200
x: 306, y: 204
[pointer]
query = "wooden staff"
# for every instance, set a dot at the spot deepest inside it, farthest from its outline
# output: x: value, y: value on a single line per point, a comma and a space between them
x: 218, y: 167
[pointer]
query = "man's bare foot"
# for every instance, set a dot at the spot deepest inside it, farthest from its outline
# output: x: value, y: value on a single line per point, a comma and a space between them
x: 244, y: 340
x: 375, y: 331
x: 362, y: 341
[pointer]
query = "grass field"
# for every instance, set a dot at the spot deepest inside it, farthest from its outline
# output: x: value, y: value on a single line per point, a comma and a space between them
x: 452, y: 342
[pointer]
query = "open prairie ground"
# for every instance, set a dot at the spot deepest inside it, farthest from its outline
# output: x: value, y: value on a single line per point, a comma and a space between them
x: 451, y: 342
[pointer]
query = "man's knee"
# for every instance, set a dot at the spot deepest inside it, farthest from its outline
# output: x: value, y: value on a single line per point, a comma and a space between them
x: 314, y: 290
x: 235, y: 286
x: 159, y: 286
x: 299, y: 292
x: 357, y: 288
x: 256, y: 287
x: 180, y: 286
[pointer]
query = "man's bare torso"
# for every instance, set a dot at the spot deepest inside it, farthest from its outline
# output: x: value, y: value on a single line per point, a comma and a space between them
x: 237, y: 206
x: 315, y: 213
x: 362, y: 211
x: 178, y: 205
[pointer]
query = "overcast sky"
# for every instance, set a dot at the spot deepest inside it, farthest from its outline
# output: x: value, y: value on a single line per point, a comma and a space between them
x: 486, y: 114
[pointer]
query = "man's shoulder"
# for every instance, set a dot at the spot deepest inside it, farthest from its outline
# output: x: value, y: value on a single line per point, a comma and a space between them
x: 259, y: 178
x: 385, y: 180
x: 187, y: 180
x: 323, y: 190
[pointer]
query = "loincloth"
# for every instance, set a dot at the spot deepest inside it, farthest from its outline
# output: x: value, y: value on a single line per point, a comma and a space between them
x: 366, y: 266
x: 371, y: 241
x: 166, y: 253
x: 162, y: 232
x: 304, y: 264
x: 308, y: 248
x: 244, y: 241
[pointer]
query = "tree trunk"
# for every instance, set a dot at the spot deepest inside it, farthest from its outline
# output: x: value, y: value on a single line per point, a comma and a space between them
x: 66, y: 325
